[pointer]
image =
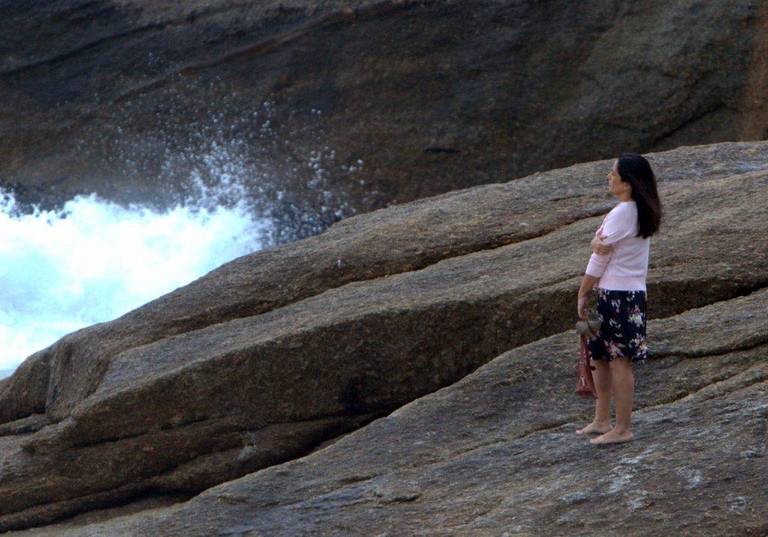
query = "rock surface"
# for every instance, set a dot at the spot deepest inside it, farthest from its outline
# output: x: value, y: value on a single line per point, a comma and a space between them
x: 496, y: 454
x: 327, y: 108
x: 278, y: 353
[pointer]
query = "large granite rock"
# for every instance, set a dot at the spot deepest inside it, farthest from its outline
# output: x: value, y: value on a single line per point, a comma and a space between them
x: 327, y: 108
x: 272, y: 355
x: 496, y: 454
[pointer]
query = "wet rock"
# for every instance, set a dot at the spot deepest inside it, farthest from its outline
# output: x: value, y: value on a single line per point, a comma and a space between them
x: 329, y: 108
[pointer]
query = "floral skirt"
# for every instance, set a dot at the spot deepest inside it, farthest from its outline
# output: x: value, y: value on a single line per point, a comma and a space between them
x: 622, y: 329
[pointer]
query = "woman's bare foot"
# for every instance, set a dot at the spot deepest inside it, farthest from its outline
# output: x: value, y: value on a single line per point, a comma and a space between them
x: 595, y: 428
x: 612, y: 437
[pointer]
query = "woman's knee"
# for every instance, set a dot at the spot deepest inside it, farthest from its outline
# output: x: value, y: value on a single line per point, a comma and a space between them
x: 602, y: 372
x: 602, y: 365
x: 621, y: 363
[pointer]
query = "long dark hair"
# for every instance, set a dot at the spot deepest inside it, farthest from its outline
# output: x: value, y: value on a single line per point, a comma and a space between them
x: 636, y: 171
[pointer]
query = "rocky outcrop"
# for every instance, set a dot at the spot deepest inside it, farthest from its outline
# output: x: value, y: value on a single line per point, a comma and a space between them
x: 496, y: 454
x: 277, y: 353
x: 327, y: 108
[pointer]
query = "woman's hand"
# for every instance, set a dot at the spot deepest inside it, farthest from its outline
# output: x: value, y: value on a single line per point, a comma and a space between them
x: 599, y: 247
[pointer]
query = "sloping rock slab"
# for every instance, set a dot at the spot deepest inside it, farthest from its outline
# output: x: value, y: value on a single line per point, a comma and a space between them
x: 405, y: 238
x: 182, y: 413
x: 496, y: 453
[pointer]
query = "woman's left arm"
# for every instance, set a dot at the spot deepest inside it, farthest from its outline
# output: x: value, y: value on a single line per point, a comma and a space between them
x: 587, y: 283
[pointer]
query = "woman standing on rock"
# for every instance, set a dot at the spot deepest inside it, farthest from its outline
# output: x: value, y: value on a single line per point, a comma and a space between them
x: 618, y: 268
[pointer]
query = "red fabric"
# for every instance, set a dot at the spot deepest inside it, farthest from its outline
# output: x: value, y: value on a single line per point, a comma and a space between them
x: 585, y: 384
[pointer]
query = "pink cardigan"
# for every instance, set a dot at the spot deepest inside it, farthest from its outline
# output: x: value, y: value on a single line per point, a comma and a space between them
x: 626, y: 266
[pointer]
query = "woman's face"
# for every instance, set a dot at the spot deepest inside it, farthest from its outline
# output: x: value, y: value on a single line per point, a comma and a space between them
x: 618, y: 187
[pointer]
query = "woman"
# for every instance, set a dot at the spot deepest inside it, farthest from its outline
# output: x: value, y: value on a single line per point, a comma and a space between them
x: 618, y: 268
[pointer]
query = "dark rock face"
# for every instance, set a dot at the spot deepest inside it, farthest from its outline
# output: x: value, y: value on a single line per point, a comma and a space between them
x: 325, y: 109
x: 447, y: 305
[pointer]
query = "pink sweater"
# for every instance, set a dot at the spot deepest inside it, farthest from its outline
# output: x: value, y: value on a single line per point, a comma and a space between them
x: 626, y: 266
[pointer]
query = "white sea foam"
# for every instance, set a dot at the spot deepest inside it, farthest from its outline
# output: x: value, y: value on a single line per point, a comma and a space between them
x: 94, y: 260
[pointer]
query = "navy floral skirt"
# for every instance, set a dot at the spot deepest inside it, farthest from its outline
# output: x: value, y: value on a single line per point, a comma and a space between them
x: 622, y: 329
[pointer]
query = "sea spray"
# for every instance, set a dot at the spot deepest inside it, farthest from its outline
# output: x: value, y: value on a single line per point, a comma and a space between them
x: 94, y: 260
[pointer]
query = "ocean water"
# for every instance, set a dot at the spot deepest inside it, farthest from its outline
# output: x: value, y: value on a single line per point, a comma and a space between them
x: 94, y: 260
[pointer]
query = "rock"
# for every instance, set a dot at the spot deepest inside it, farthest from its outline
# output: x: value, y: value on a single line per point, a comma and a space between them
x: 272, y: 355
x: 329, y: 108
x: 497, y: 451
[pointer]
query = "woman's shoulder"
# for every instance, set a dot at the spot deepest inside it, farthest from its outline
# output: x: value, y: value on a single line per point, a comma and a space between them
x: 623, y: 209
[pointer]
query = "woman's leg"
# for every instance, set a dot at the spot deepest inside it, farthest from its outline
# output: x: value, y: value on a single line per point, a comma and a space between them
x: 624, y: 380
x: 602, y: 372
x: 603, y: 386
x: 602, y: 378
x: 623, y: 385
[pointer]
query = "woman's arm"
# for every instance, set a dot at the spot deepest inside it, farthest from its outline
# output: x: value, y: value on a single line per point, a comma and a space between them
x: 617, y: 226
x: 587, y: 283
